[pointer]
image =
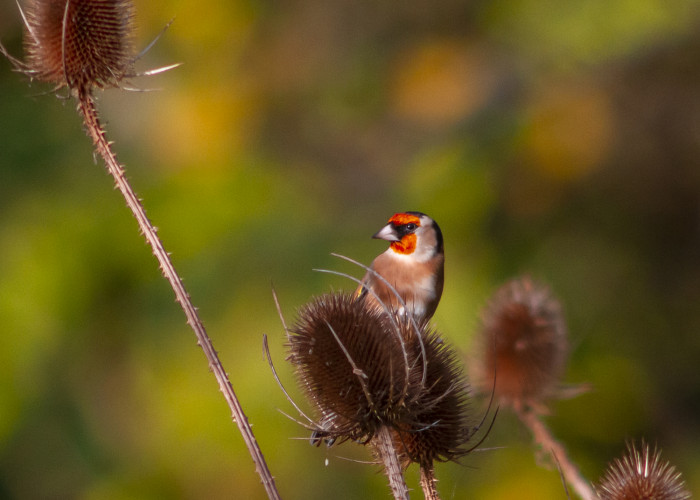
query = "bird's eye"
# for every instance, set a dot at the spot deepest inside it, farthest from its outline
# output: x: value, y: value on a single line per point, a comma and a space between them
x: 410, y: 226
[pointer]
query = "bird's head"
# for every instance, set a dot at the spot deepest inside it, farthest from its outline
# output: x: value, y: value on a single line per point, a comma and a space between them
x: 412, y: 233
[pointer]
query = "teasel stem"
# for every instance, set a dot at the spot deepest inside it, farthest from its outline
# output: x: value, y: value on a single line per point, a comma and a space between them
x: 88, y: 111
x: 85, y: 45
x: 544, y: 438
x: 384, y: 447
x: 428, y: 482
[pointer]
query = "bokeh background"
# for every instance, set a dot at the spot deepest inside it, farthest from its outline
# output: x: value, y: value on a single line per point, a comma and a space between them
x: 555, y: 137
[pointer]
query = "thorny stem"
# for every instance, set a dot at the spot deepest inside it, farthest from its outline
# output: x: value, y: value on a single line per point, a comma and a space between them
x: 546, y: 440
x: 86, y: 107
x: 428, y: 482
x: 384, y: 447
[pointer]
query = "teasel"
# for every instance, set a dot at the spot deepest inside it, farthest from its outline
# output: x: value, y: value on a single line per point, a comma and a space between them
x: 80, y: 44
x: 523, y: 343
x: 639, y: 474
x: 381, y: 379
x: 85, y: 45
x: 440, y: 427
x: 355, y: 374
x: 522, y: 349
x: 353, y: 371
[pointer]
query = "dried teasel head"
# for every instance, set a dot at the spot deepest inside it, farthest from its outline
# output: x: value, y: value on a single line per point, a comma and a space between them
x: 523, y: 343
x: 80, y: 44
x: 364, y: 369
x: 437, y: 425
x: 352, y: 367
x: 641, y: 474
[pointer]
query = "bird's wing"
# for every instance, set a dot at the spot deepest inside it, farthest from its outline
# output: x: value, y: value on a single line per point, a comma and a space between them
x: 362, y: 289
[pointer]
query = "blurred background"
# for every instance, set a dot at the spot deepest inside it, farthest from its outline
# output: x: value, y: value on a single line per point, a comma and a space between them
x: 555, y: 137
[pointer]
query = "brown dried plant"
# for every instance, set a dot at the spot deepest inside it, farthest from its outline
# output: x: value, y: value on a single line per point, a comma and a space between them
x: 641, y: 474
x: 84, y: 45
x: 440, y: 427
x: 380, y: 378
x: 523, y: 340
x: 355, y: 373
x: 80, y: 44
x: 523, y: 343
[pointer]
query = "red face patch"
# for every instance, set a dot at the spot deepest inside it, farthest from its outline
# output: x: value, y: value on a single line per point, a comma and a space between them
x: 401, y: 219
x: 406, y: 246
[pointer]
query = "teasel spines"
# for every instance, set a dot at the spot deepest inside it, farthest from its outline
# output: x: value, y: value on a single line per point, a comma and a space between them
x: 80, y: 44
x: 438, y: 425
x: 363, y: 368
x: 351, y: 367
x: 523, y: 343
x: 642, y: 474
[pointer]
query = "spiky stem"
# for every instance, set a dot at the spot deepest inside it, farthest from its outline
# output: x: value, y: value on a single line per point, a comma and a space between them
x: 88, y: 111
x: 428, y: 482
x: 544, y: 438
x: 384, y: 448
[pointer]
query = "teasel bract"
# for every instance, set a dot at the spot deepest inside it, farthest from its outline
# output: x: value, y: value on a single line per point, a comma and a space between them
x: 367, y: 371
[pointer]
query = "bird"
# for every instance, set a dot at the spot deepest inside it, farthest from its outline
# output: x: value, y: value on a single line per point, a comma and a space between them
x: 414, y: 265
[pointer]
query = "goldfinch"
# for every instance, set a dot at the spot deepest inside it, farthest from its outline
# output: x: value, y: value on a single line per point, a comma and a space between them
x: 413, y: 264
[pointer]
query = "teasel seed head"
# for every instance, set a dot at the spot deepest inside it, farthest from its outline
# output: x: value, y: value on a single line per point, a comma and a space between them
x: 523, y: 343
x: 80, y: 44
x: 641, y: 474
x: 364, y: 369
x: 350, y: 366
x: 438, y: 425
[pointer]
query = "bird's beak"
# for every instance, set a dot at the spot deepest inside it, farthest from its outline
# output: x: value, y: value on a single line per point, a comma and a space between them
x: 387, y: 233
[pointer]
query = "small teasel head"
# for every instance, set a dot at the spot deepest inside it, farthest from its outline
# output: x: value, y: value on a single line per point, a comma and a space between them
x: 352, y: 369
x: 522, y: 343
x: 437, y: 425
x: 80, y: 44
x: 641, y: 474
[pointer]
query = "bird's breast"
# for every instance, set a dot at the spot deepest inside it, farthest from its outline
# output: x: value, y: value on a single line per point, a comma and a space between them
x: 415, y: 282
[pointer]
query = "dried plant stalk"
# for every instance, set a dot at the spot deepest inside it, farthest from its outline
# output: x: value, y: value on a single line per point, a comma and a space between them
x: 87, y: 110
x: 544, y: 438
x: 84, y: 45
x: 384, y: 448
x: 428, y: 482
